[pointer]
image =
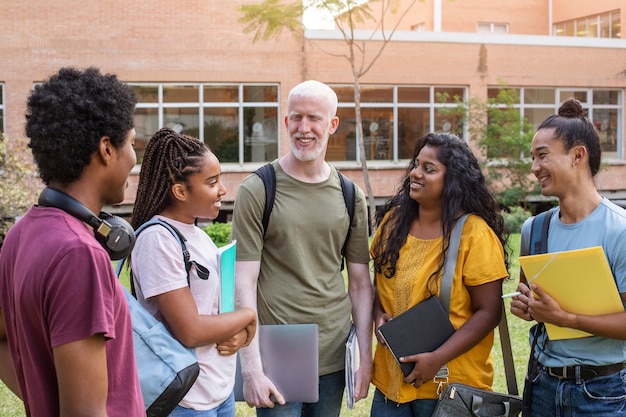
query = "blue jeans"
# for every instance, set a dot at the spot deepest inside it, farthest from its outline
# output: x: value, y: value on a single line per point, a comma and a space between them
x: 225, y: 409
x: 331, y: 388
x: 603, y: 396
x: 383, y: 407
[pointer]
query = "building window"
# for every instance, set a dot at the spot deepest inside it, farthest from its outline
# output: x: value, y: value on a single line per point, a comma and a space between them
x: 239, y: 122
x: 491, y: 27
x: 419, y: 27
x: 605, y: 25
x: 394, y: 118
x: 604, y: 106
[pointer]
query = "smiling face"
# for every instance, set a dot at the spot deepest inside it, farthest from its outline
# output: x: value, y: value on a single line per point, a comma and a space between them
x: 552, y: 163
x: 427, y: 177
x: 204, y: 190
x: 309, y: 124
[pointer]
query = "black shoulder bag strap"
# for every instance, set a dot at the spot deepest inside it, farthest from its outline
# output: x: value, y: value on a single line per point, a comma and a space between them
x: 446, y: 288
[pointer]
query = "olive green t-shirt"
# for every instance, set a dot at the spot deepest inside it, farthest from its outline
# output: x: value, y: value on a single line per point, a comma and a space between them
x: 300, y: 279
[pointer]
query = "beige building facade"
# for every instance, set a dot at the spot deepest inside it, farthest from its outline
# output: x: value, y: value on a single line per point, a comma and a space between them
x: 195, y: 69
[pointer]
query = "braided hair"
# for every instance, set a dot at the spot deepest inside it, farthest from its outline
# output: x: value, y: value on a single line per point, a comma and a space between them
x: 170, y: 158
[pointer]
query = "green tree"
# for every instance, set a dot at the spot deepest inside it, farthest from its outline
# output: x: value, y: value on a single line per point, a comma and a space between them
x: 268, y: 18
x: 504, y: 137
x: 18, y: 185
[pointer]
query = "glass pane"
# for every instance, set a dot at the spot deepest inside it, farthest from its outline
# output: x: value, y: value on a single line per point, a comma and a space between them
x: 182, y: 120
x: 500, y: 28
x: 450, y: 93
x: 377, y: 135
x: 146, y: 124
x: 345, y: 93
x: 539, y: 96
x: 221, y: 132
x: 412, y: 125
x: 569, y: 28
x: 1, y: 95
x: 578, y: 95
x: 448, y: 121
x: 592, y: 25
x: 605, y: 120
x: 260, y: 134
x: 1, y: 121
x: 376, y: 94
x: 536, y: 116
x: 413, y: 95
x: 616, y: 25
x: 221, y: 94
x: 605, y: 97
x: 146, y: 93
x: 492, y: 92
x: 605, y: 26
x: 260, y: 93
x: 503, y: 96
x: 181, y: 94
x: 559, y: 29
x: 581, y: 27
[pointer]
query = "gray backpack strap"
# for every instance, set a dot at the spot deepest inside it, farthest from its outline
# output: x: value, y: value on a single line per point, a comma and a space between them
x: 450, y: 265
x: 446, y: 288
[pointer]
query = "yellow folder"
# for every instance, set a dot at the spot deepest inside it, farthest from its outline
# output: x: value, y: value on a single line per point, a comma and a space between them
x: 579, y: 280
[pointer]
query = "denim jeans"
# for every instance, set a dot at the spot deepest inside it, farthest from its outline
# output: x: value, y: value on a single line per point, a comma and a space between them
x: 225, y: 409
x: 603, y: 396
x: 383, y: 407
x: 331, y: 388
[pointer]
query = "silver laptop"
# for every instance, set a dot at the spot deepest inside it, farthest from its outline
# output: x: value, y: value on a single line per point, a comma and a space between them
x: 290, y: 357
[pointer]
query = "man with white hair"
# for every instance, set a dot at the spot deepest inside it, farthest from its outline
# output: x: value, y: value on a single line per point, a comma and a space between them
x: 291, y: 272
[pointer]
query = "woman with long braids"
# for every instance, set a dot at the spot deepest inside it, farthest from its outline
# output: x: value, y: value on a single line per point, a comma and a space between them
x: 443, y: 182
x: 178, y: 183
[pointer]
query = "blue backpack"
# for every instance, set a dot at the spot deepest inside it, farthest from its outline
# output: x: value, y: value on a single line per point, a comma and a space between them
x: 167, y: 369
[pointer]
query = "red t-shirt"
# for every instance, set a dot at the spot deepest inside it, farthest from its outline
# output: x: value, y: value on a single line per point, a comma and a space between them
x: 57, y: 286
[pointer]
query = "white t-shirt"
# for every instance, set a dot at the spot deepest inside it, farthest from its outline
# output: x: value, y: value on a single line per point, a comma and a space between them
x: 158, y: 267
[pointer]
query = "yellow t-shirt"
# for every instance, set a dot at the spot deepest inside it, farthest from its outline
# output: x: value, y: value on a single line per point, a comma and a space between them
x: 480, y: 260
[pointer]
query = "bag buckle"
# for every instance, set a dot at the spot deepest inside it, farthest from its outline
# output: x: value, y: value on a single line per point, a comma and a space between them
x: 441, y: 379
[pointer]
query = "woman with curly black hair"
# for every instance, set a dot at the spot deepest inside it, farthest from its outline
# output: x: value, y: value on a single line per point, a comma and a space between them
x: 66, y: 345
x: 443, y: 182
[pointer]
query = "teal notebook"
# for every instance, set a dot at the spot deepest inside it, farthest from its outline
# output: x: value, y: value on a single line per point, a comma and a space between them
x: 226, y: 256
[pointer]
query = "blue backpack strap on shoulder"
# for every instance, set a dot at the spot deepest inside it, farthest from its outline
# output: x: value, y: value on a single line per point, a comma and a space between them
x: 177, y: 235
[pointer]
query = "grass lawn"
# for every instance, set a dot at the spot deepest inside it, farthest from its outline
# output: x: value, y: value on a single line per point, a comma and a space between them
x: 11, y: 406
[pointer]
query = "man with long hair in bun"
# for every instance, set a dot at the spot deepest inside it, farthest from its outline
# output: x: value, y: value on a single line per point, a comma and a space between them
x: 580, y: 376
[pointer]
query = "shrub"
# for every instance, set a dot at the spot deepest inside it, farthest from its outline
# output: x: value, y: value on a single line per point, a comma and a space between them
x: 19, y: 184
x: 219, y: 233
x: 514, y: 218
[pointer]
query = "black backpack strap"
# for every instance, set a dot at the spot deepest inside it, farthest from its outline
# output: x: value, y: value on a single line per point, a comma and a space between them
x: 268, y: 176
x: 538, y: 244
x: 349, y: 196
x: 539, y: 232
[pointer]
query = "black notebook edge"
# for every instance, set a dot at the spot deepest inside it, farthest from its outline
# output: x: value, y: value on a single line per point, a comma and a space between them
x: 431, y: 311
